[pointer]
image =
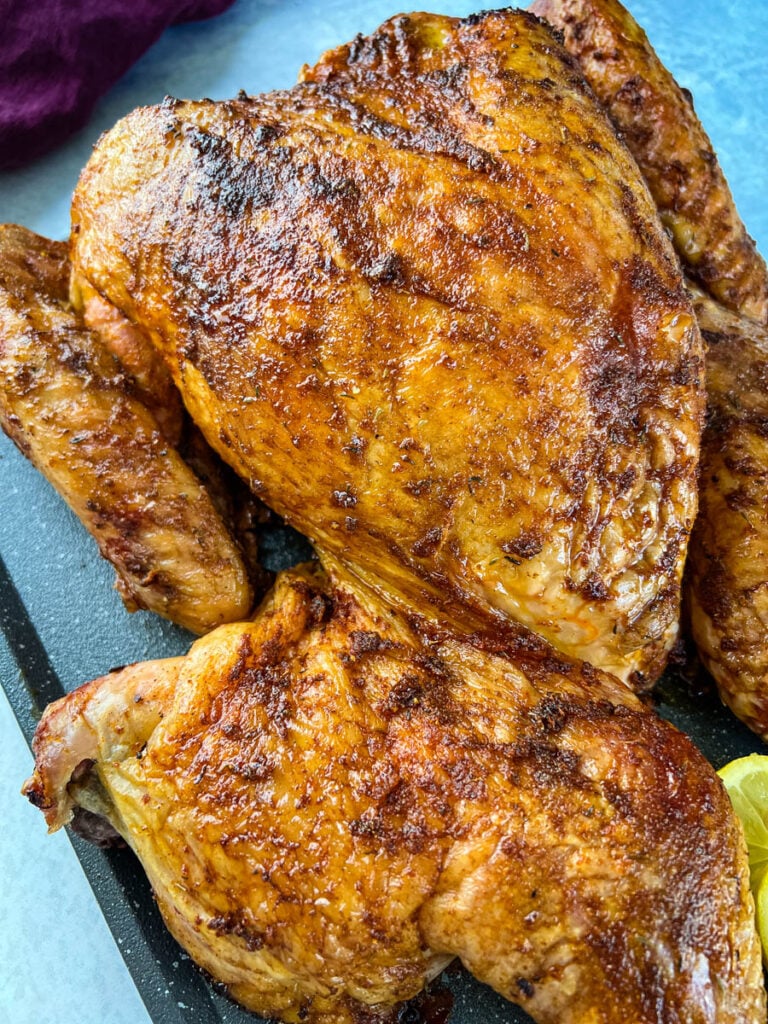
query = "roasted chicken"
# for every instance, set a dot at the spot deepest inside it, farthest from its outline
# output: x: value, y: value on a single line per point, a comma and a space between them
x: 330, y: 806
x: 70, y: 408
x: 728, y: 566
x: 424, y: 304
x: 658, y: 123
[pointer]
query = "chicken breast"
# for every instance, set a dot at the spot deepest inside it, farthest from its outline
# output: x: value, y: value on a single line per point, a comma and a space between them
x: 423, y: 303
x: 70, y: 409
x: 331, y: 805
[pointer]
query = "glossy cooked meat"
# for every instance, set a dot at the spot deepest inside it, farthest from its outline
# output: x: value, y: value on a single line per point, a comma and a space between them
x: 70, y: 409
x: 728, y: 562
x: 423, y: 303
x: 136, y: 354
x: 330, y: 806
x: 661, y: 129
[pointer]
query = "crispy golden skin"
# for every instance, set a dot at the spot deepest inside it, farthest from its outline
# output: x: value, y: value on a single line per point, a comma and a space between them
x: 70, y: 409
x: 660, y: 127
x: 136, y: 354
x: 423, y: 303
x: 728, y: 563
x: 330, y: 807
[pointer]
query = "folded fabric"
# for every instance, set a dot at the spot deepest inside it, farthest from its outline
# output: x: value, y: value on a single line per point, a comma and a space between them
x: 58, y: 56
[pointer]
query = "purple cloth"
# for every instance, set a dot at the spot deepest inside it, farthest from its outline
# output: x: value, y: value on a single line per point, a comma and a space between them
x: 58, y: 56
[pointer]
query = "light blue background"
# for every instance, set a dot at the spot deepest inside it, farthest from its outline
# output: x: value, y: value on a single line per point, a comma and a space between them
x: 58, y: 962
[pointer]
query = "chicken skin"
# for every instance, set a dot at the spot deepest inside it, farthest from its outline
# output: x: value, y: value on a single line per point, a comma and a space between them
x: 659, y: 125
x: 68, y: 406
x: 728, y: 563
x: 331, y: 805
x: 423, y: 303
x: 728, y: 566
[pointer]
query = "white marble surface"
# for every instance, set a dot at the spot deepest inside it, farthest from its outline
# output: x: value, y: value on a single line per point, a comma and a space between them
x: 58, y: 962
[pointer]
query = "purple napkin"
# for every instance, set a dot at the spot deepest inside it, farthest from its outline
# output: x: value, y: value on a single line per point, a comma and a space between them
x: 58, y: 56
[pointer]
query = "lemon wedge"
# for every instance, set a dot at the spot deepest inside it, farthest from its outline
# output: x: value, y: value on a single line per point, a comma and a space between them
x: 746, y: 781
x: 761, y: 903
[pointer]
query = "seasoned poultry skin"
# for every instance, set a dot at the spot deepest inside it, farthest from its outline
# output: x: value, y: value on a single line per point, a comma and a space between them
x: 138, y: 357
x: 727, y: 576
x: 423, y: 303
x: 727, y: 573
x: 659, y: 125
x: 330, y: 806
x: 71, y: 410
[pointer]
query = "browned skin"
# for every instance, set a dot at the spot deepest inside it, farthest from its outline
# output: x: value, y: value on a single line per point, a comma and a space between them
x: 136, y: 354
x: 70, y: 409
x: 240, y: 510
x: 659, y: 125
x: 424, y: 304
x: 728, y: 564
x: 333, y: 806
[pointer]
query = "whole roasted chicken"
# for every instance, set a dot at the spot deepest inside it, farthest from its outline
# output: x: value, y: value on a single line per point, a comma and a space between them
x: 424, y: 304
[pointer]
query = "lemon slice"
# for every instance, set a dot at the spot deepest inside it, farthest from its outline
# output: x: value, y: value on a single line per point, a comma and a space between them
x: 746, y: 781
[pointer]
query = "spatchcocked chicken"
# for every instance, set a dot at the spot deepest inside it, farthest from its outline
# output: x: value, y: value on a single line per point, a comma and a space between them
x: 424, y: 304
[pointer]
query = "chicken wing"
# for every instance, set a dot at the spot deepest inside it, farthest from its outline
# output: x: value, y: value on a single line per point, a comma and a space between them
x: 331, y: 806
x: 659, y: 125
x: 70, y: 409
x: 423, y: 303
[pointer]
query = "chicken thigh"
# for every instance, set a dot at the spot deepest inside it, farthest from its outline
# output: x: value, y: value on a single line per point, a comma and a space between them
x: 423, y: 303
